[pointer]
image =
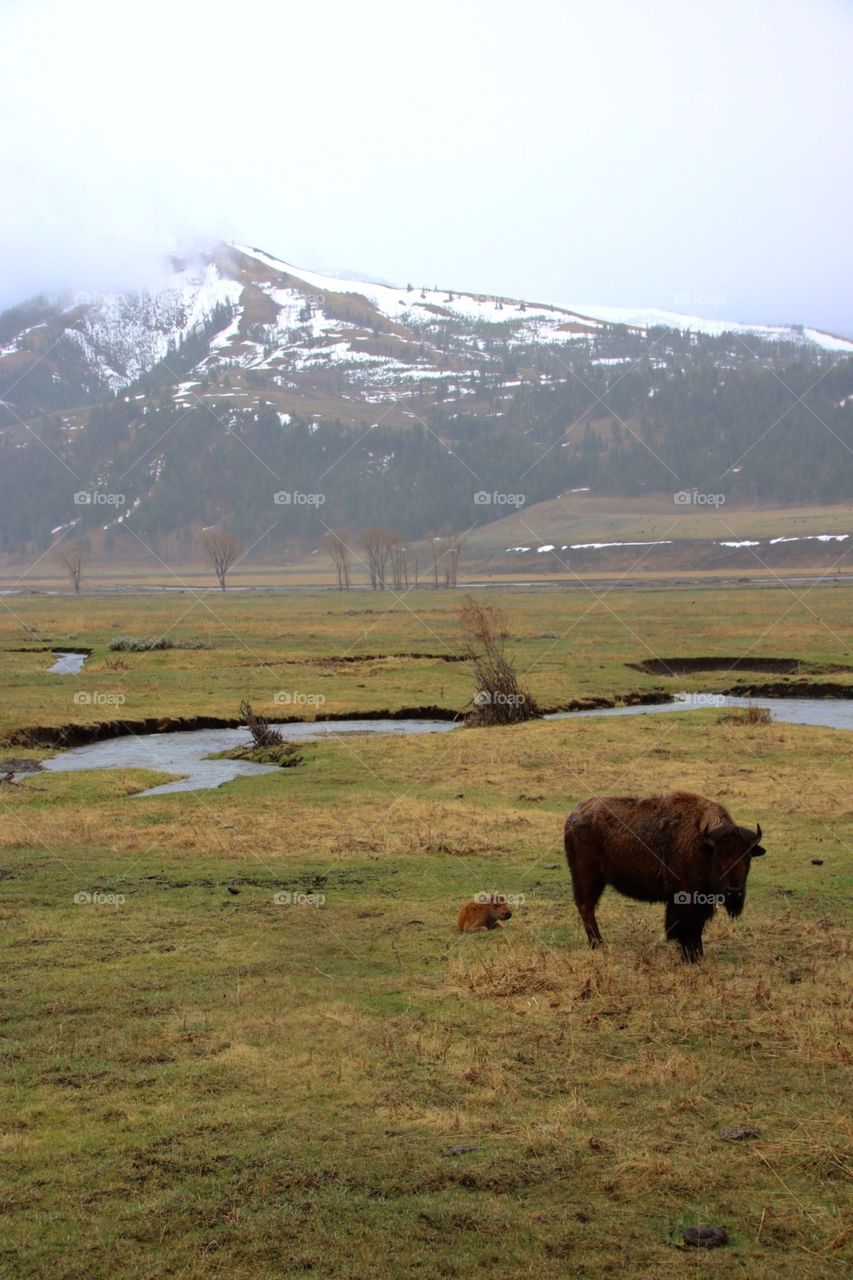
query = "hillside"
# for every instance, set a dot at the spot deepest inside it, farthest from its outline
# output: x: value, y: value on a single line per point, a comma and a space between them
x: 241, y: 377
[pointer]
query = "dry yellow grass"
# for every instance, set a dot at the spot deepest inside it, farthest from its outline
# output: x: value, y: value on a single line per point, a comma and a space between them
x: 214, y: 1084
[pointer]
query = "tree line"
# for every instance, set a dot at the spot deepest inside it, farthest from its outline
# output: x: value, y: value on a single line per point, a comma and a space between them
x: 385, y: 557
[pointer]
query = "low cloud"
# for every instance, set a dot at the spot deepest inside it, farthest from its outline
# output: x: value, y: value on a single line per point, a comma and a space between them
x: 621, y: 153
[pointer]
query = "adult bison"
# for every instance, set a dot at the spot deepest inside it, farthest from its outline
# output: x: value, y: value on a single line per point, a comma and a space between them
x: 680, y: 849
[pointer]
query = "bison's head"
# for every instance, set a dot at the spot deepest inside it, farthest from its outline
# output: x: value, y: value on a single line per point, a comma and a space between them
x: 500, y: 908
x: 729, y: 851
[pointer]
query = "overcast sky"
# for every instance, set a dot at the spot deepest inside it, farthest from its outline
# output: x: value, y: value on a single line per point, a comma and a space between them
x: 693, y: 156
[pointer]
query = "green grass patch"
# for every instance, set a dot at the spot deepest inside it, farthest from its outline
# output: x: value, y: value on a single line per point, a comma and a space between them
x: 241, y: 1036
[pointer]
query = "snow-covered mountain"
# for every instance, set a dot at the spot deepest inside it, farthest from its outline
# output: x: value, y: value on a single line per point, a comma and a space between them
x: 150, y: 395
x: 299, y: 331
x: 646, y: 318
x: 545, y: 322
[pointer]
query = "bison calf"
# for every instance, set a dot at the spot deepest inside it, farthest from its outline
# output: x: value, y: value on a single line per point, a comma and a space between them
x: 488, y: 914
x: 680, y: 849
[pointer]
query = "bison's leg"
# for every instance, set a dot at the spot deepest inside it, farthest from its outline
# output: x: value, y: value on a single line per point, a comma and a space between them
x: 588, y: 888
x: 691, y: 947
x: 685, y: 926
x: 673, y: 923
x: 587, y: 883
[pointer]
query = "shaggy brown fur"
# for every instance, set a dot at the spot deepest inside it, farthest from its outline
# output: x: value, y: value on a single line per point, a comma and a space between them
x: 680, y: 849
x: 474, y: 916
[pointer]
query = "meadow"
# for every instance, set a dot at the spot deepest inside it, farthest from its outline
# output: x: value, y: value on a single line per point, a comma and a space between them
x: 340, y: 652
x: 241, y: 1037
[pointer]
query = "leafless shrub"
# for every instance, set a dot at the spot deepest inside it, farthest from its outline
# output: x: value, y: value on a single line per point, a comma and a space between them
x: 263, y: 735
x: 499, y: 698
x: 748, y: 715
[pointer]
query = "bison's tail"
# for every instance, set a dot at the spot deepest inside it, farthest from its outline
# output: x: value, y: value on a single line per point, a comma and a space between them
x: 568, y: 842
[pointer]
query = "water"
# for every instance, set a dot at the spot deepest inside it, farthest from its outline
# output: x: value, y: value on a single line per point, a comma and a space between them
x: 829, y: 713
x: 67, y: 664
x: 184, y: 752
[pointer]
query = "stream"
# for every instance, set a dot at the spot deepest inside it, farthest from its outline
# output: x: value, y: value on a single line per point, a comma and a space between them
x: 186, y: 752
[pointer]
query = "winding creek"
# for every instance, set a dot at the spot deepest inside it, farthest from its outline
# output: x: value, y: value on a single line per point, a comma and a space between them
x: 186, y: 752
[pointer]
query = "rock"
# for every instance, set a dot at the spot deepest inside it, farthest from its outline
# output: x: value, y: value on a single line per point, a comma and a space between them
x: 817, y: 862
x: 231, y: 889
x: 737, y: 1132
x: 705, y: 1237
x: 460, y: 1150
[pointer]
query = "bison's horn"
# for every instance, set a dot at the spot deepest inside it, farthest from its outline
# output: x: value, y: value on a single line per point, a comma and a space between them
x: 758, y: 831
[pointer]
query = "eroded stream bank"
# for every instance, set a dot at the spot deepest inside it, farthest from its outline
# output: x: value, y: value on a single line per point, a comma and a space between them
x: 186, y: 751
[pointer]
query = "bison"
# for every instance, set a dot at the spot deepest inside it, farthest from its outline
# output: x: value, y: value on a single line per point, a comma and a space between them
x: 483, y: 913
x: 680, y: 849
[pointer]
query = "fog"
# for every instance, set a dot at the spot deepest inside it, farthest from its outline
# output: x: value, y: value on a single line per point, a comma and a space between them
x: 687, y: 156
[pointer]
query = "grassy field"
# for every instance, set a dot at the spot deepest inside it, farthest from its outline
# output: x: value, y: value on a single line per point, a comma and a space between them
x: 207, y: 1083
x: 589, y: 517
x: 337, y: 653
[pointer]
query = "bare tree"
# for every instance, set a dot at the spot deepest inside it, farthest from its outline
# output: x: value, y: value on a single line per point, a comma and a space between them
x: 453, y: 545
x: 377, y: 547
x: 337, y: 544
x: 221, y: 549
x: 71, y: 558
x: 399, y: 562
x: 499, y: 698
x: 435, y: 556
x: 445, y: 551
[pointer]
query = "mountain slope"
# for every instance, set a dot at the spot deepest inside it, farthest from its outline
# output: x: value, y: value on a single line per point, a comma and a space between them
x: 544, y: 322
x: 244, y: 309
x: 241, y: 376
